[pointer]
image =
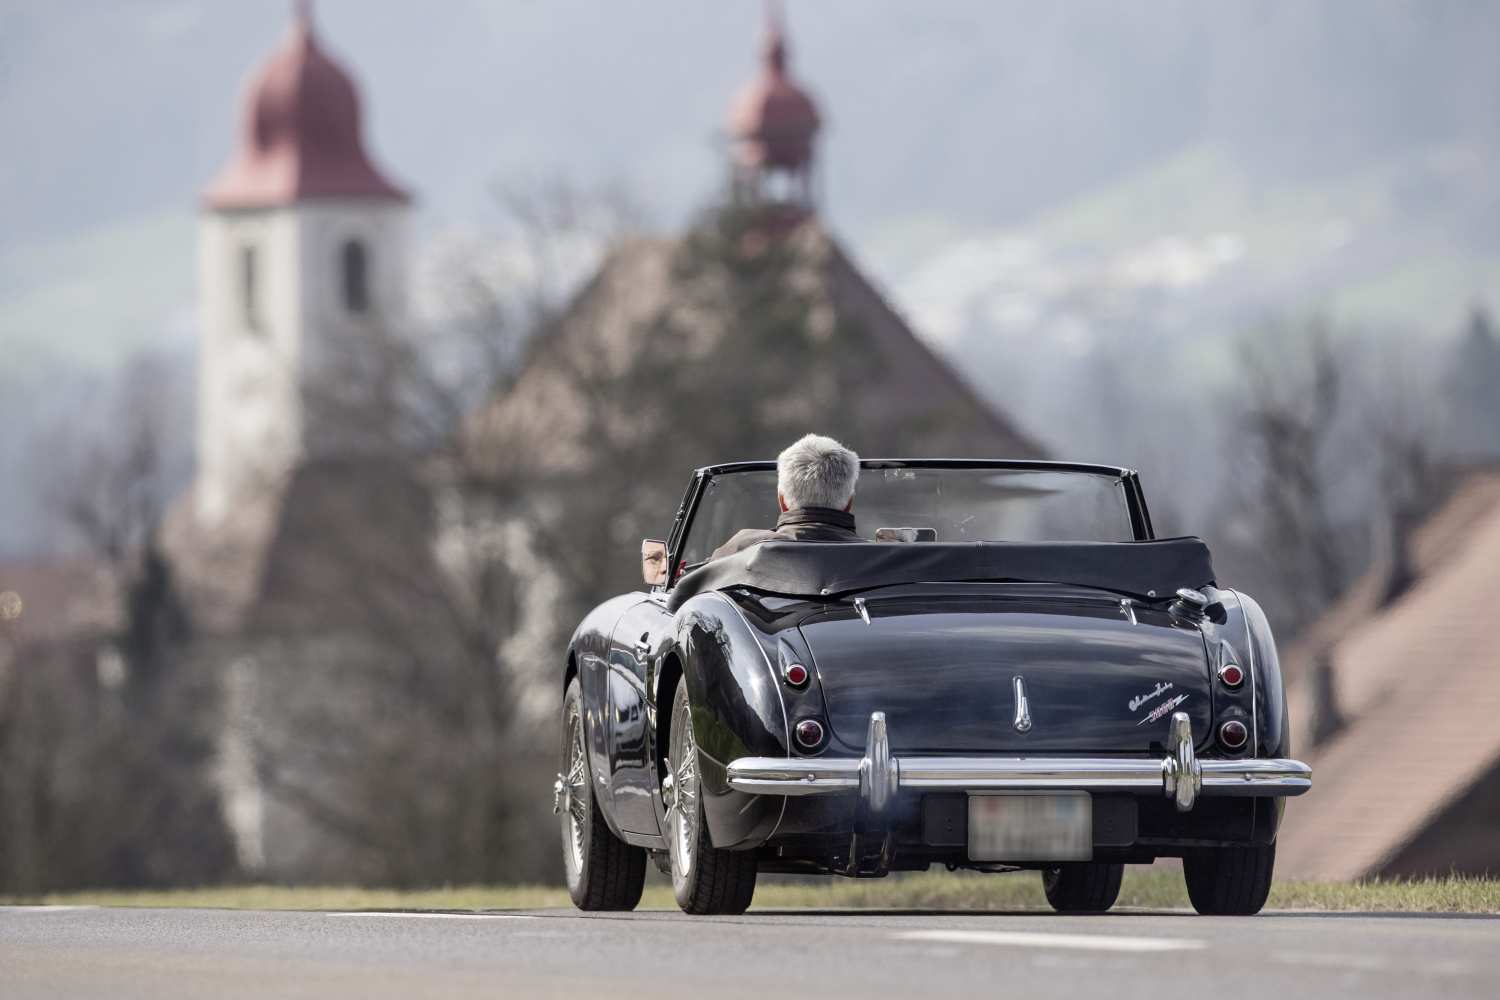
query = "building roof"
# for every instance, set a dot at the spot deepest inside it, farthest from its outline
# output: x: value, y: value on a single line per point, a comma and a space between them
x: 908, y: 402
x: 300, y: 135
x: 773, y: 120
x: 1418, y: 682
x: 47, y: 598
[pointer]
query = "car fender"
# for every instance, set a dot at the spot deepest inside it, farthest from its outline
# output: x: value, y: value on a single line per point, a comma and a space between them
x: 737, y: 709
x: 588, y: 658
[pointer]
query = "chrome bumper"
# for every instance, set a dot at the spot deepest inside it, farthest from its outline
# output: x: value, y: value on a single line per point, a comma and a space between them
x: 877, y: 776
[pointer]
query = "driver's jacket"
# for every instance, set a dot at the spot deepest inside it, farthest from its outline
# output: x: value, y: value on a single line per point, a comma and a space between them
x: 800, y: 524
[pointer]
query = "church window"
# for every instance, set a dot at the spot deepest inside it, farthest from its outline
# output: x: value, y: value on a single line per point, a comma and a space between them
x: 356, y: 269
x: 250, y: 287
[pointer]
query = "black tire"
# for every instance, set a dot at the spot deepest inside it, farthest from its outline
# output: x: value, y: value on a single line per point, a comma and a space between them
x: 1229, y: 880
x: 603, y: 872
x: 1083, y: 887
x: 705, y: 880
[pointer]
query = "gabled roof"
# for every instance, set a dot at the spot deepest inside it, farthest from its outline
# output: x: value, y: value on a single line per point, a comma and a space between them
x: 909, y: 401
x: 1419, y: 683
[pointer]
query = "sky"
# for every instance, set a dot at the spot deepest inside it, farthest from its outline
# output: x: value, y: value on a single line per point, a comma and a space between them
x: 1026, y: 181
x: 945, y: 119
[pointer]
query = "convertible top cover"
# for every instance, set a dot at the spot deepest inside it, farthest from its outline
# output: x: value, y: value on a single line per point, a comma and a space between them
x: 1149, y: 570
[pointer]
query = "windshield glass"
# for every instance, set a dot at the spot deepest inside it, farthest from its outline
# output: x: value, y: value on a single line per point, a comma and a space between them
x: 943, y: 505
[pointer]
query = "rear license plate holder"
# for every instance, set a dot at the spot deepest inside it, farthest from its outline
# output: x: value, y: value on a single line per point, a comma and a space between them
x: 1031, y: 826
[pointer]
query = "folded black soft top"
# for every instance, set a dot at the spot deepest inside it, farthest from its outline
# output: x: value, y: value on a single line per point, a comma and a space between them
x: 1146, y: 570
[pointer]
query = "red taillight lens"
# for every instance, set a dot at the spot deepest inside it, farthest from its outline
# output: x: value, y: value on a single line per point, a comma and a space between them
x: 809, y: 734
x: 795, y: 674
x: 1231, y: 675
x: 1233, y: 734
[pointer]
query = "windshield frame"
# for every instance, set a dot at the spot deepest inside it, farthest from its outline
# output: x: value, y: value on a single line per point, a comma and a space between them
x: 1128, y: 479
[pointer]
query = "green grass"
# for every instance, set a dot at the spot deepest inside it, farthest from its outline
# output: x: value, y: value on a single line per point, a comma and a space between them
x: 928, y: 891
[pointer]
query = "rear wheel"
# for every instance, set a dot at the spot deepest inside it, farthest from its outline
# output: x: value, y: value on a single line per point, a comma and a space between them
x: 704, y: 879
x: 1230, y: 880
x: 1083, y: 887
x: 603, y: 872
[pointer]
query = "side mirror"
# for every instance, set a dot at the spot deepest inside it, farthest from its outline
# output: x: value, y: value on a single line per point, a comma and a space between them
x: 654, y: 562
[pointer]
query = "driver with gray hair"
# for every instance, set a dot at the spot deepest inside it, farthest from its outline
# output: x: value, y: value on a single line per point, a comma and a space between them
x: 815, y: 481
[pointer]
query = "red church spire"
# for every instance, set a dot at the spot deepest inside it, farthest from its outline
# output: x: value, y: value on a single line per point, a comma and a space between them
x: 301, y: 135
x: 773, y: 121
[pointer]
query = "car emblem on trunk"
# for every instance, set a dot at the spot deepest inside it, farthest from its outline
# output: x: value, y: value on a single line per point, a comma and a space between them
x: 1022, y: 721
x: 1161, y: 710
x: 1141, y: 699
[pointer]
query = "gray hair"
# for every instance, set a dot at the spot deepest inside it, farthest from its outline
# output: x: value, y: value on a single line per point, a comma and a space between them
x: 817, y: 472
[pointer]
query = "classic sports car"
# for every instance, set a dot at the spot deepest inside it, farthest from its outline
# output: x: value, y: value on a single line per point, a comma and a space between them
x: 1012, y: 673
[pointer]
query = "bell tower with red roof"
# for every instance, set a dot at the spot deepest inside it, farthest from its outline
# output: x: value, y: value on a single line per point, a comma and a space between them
x: 773, y: 125
x: 301, y: 262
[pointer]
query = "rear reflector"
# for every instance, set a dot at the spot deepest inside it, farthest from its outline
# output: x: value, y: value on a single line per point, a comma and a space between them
x: 795, y: 674
x: 1233, y: 734
x: 1231, y: 675
x: 809, y: 734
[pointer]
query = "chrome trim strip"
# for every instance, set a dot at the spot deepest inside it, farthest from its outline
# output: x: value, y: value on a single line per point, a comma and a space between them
x: 1022, y: 720
x: 835, y: 775
x: 877, y: 775
x: 790, y: 776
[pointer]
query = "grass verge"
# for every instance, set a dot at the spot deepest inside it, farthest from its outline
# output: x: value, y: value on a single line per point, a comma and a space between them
x: 1151, y: 888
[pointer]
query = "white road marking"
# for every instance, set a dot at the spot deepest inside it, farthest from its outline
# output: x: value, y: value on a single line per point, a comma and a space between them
x: 435, y: 916
x: 44, y: 909
x: 1080, y: 942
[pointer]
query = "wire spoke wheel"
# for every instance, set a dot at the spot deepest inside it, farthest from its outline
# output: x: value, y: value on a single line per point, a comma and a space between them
x: 705, y: 879
x: 603, y: 871
x: 684, y: 811
x: 575, y: 816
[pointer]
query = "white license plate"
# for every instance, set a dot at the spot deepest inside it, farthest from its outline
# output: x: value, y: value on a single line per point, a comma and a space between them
x: 1051, y: 826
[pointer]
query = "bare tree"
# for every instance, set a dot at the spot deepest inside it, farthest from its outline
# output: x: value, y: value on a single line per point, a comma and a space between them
x: 388, y: 717
x: 106, y: 731
x: 1332, y: 464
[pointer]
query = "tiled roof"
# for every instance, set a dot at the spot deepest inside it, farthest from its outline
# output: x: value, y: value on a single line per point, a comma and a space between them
x: 1419, y: 685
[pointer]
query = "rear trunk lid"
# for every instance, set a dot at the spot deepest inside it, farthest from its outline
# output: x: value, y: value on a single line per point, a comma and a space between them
x: 1098, y: 678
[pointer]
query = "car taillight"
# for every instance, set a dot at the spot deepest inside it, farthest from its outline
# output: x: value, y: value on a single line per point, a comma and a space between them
x: 809, y: 733
x: 1231, y: 675
x: 1233, y: 734
x: 795, y: 674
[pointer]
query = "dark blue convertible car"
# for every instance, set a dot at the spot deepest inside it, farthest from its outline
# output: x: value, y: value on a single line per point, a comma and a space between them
x: 1012, y: 673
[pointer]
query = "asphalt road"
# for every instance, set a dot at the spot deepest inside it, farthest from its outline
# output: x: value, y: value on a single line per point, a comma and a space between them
x: 62, y: 952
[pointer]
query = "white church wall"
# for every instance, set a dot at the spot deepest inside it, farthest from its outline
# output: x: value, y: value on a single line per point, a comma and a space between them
x: 248, y: 406
x: 266, y: 335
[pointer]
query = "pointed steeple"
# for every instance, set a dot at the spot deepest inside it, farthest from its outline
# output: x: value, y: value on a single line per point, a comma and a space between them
x: 773, y: 124
x: 301, y: 134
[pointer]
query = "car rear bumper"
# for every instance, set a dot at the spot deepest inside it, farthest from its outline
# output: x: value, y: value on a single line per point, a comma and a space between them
x: 877, y: 776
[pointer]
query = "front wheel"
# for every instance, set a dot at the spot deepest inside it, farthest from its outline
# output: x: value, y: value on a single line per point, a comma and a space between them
x: 1229, y: 880
x: 1083, y: 887
x: 704, y: 879
x: 603, y: 872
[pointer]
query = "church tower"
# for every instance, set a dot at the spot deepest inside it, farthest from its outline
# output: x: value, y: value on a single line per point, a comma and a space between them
x: 301, y: 260
x: 772, y: 126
